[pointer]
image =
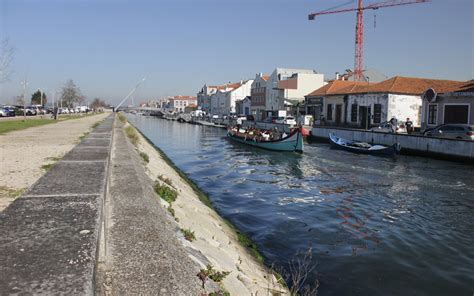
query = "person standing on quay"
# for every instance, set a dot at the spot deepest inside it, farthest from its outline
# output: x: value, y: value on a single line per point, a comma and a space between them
x: 409, y: 126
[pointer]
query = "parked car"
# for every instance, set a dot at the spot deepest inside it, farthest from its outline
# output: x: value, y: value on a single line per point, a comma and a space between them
x: 387, y: 127
x: 286, y: 120
x: 451, y: 131
x: 8, y: 110
x: 3, y: 112
x: 271, y: 119
x: 290, y: 120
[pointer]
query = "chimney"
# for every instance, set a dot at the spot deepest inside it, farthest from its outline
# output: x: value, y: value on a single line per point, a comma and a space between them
x: 337, y: 75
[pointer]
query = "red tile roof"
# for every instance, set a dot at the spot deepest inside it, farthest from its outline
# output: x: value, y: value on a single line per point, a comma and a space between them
x: 226, y: 86
x: 190, y: 98
x: 467, y: 86
x: 411, y: 86
x: 336, y: 87
x: 394, y: 85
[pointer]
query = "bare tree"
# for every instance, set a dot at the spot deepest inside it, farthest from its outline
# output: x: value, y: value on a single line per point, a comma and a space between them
x: 6, y: 58
x: 71, y: 94
x: 97, y: 103
x: 299, y: 267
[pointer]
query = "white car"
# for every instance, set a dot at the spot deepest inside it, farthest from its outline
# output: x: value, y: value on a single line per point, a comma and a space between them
x: 290, y: 120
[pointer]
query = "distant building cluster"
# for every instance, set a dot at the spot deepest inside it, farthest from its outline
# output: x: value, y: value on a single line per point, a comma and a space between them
x: 340, y: 101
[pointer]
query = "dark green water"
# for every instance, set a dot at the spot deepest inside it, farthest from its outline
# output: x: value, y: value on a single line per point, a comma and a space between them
x: 376, y: 226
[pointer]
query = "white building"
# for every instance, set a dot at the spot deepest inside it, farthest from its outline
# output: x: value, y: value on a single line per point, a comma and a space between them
x: 363, y: 105
x: 223, y: 102
x: 288, y: 87
x: 179, y: 103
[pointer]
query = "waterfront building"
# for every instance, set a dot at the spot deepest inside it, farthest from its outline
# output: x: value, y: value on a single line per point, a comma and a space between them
x: 243, y: 106
x: 179, y: 103
x: 223, y: 102
x: 363, y: 105
x: 258, y: 96
x: 451, y: 103
x: 286, y: 88
x: 329, y: 101
x: 204, y: 97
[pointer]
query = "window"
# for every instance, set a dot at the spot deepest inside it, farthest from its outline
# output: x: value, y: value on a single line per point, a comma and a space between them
x: 456, y: 114
x: 432, y: 113
x: 354, y: 113
x: 377, y: 113
x: 329, y: 112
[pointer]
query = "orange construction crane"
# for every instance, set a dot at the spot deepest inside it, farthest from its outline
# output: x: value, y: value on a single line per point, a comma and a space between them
x: 359, y: 35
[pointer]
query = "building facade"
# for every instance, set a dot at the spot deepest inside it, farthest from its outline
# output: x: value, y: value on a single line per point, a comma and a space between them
x: 286, y: 88
x: 223, y: 102
x: 204, y: 97
x: 328, y: 103
x: 258, y: 96
x: 363, y: 105
x: 179, y: 103
x: 454, y: 105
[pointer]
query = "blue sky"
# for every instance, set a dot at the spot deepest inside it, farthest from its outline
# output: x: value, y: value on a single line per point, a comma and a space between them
x: 106, y: 47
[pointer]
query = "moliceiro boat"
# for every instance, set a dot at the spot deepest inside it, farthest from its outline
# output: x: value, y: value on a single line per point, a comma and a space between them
x: 363, y: 148
x: 271, y: 140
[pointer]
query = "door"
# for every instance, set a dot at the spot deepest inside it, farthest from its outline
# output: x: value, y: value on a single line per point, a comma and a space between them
x: 338, y: 114
x: 364, y: 113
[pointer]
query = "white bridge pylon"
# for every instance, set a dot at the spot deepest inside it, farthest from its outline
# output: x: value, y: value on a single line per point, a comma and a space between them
x: 131, y: 93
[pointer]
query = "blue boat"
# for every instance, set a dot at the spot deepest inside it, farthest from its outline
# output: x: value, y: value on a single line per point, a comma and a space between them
x: 362, y: 148
x: 293, y: 142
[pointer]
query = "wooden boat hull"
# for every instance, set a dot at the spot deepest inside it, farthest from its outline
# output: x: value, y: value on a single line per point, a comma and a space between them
x: 293, y: 142
x: 386, y: 151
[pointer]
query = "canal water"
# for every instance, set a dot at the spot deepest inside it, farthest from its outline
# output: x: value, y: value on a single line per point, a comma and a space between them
x: 375, y: 226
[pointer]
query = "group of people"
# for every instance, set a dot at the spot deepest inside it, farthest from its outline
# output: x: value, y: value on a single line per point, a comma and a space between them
x: 408, y: 125
x: 256, y: 134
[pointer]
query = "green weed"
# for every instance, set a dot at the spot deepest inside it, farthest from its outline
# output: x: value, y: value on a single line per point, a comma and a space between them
x: 145, y: 157
x: 165, y: 192
x: 188, y: 234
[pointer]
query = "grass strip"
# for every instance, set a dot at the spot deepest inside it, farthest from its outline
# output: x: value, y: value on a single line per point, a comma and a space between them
x: 7, y: 126
x: 16, y: 125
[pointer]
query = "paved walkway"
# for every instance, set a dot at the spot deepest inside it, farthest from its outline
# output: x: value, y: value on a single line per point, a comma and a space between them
x: 48, y: 237
x: 143, y: 255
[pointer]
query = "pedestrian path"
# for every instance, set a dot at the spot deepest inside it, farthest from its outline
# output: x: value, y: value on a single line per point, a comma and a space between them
x: 49, y: 236
x: 142, y: 254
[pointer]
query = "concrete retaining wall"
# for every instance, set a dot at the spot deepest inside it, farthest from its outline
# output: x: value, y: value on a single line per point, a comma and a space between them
x: 411, y: 144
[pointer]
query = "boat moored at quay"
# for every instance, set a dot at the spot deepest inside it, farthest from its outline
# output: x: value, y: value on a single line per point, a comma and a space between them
x: 292, y: 142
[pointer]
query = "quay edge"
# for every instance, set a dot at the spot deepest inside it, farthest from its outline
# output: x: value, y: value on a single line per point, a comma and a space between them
x: 439, y: 148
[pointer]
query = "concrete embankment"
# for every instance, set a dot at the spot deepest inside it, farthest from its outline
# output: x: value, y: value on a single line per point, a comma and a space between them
x: 410, y: 144
x: 215, y: 242
x: 140, y: 250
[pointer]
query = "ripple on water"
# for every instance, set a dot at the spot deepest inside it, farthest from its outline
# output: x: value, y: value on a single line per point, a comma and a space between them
x: 376, y: 226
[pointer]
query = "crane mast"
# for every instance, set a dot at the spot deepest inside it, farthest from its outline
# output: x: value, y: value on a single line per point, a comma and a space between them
x: 359, y: 32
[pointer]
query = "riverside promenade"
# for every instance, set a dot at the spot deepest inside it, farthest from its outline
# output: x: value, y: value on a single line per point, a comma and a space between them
x: 91, y: 198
